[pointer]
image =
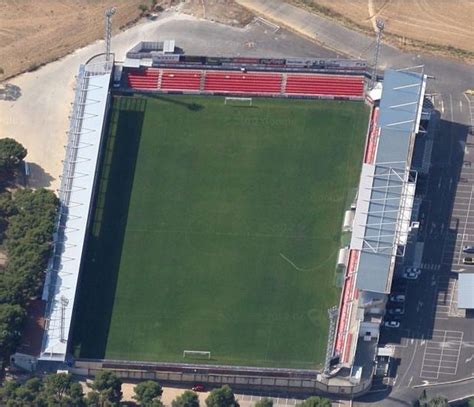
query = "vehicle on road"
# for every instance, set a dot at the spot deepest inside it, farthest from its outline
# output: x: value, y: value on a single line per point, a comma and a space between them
x: 468, y: 249
x: 396, y: 311
x: 397, y: 298
x: 468, y: 260
x: 198, y: 387
x: 411, y: 273
x: 392, y: 324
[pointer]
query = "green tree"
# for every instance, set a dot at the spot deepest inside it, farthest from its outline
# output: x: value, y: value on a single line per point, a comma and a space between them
x: 187, y: 399
x: 11, y: 154
x: 56, y: 388
x: 470, y: 402
x: 147, y: 392
x: 28, y: 394
x: 316, y: 401
x: 11, y: 321
x: 143, y: 8
x: 222, y: 397
x: 75, y: 395
x: 92, y: 399
x: 264, y: 402
x: 438, y: 401
x: 109, y: 387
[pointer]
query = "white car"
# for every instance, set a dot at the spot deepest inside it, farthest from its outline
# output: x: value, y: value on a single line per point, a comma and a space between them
x: 392, y: 324
x: 397, y: 298
x: 411, y: 273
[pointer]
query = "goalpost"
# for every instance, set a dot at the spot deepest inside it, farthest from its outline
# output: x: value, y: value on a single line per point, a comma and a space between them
x: 197, y: 354
x: 236, y: 101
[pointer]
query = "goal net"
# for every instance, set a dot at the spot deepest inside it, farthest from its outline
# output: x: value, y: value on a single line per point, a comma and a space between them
x: 235, y: 101
x: 196, y: 354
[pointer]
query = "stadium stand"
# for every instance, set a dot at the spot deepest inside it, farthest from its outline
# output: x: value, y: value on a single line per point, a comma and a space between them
x: 232, y: 82
x: 258, y: 83
x: 334, y: 85
x: 181, y: 80
x: 144, y: 78
x: 342, y: 345
x: 373, y: 136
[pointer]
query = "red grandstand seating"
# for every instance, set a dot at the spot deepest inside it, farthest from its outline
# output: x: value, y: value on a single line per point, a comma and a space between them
x: 180, y: 80
x: 143, y: 79
x: 330, y: 85
x: 233, y: 82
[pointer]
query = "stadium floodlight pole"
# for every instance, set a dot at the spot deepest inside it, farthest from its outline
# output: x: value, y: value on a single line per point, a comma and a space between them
x: 332, y: 312
x: 108, y: 31
x: 380, y: 24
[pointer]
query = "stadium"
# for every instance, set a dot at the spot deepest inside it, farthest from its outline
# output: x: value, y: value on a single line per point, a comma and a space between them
x: 214, y: 209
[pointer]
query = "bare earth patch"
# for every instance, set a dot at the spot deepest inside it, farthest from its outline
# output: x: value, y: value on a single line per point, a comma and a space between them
x: 35, y: 32
x: 436, y: 26
x: 223, y: 11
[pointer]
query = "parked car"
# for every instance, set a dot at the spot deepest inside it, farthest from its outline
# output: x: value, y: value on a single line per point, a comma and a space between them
x: 392, y: 324
x: 411, y: 273
x: 198, y: 387
x: 468, y: 249
x: 396, y: 311
x: 468, y: 260
x: 397, y: 298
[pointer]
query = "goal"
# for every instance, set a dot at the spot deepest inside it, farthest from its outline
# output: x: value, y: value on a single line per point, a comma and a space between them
x: 235, y: 101
x: 196, y: 354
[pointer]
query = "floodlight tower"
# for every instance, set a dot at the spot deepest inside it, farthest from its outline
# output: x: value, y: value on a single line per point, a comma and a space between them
x: 332, y: 312
x: 108, y: 31
x: 64, y: 303
x: 380, y: 24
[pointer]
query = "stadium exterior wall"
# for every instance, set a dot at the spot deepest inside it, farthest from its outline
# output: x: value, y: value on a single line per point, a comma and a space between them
x: 290, y: 381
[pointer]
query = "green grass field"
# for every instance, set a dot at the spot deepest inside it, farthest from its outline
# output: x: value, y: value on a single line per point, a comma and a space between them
x: 217, y: 228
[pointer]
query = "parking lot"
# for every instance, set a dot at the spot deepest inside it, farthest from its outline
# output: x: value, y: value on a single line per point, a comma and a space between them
x: 435, y: 340
x: 441, y: 355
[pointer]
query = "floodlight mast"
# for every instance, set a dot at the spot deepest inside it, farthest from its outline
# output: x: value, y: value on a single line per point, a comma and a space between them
x: 332, y: 313
x: 380, y: 24
x: 108, y: 31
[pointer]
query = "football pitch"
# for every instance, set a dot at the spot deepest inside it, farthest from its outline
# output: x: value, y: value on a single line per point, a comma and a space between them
x: 216, y: 228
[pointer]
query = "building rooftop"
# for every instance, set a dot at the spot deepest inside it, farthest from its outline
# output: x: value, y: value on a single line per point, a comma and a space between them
x: 466, y: 290
x: 385, y: 196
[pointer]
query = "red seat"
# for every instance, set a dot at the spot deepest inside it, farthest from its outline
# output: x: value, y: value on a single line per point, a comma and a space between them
x: 181, y: 80
x: 324, y: 85
x: 143, y: 79
x: 233, y: 82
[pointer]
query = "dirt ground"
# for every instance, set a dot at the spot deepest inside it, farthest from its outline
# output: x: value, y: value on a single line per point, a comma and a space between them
x: 440, y: 26
x: 223, y: 11
x: 33, y: 32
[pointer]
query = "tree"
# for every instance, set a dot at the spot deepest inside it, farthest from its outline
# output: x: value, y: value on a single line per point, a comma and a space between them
x: 56, y: 387
x: 75, y: 395
x: 27, y: 394
x: 316, y: 401
x: 56, y: 390
x: 143, y: 8
x: 147, y: 392
x: 109, y: 387
x: 92, y: 399
x: 11, y: 154
x: 187, y: 399
x: 11, y: 321
x: 222, y: 397
x: 438, y: 401
x: 264, y: 402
